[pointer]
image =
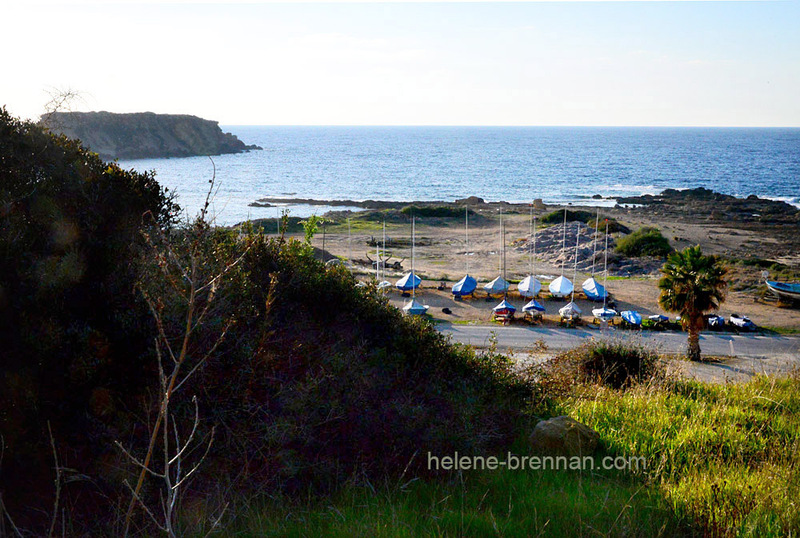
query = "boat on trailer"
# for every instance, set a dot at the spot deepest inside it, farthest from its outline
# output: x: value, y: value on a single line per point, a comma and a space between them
x: 499, y: 284
x: 467, y: 285
x: 530, y: 286
x: 504, y: 311
x: 413, y: 307
x: 605, y: 314
x: 592, y: 289
x: 562, y: 286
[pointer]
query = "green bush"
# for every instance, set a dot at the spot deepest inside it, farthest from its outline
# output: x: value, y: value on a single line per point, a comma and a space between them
x: 613, y: 363
x: 646, y: 241
x: 72, y: 327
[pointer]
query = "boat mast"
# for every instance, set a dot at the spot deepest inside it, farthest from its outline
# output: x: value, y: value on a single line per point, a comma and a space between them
x: 534, y: 247
x: 500, y: 261
x: 575, y: 272
x: 564, y: 243
x: 383, y: 254
x: 466, y: 228
x: 413, y: 276
x: 605, y: 269
x: 503, y: 245
x: 596, y: 231
x: 530, y: 252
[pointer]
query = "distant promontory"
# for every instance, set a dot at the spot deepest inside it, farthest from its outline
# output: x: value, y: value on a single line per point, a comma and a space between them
x: 145, y: 135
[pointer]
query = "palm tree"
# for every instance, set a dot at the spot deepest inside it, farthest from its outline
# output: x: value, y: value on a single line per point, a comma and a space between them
x: 691, y: 285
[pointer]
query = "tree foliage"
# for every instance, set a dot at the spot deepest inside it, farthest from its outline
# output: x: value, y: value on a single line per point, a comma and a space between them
x: 71, y: 325
x: 692, y: 284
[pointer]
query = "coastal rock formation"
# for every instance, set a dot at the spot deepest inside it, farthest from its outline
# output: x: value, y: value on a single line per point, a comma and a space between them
x: 715, y: 206
x: 145, y: 134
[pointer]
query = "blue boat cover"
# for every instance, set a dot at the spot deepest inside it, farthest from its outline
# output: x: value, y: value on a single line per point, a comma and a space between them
x: 533, y: 306
x: 593, y: 290
x: 465, y: 286
x: 604, y: 313
x: 631, y: 316
x: 505, y: 306
x: 409, y: 282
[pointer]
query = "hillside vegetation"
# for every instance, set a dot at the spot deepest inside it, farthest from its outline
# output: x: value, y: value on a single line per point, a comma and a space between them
x: 309, y: 380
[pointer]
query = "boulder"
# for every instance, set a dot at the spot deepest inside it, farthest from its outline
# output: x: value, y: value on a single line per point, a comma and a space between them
x: 563, y: 436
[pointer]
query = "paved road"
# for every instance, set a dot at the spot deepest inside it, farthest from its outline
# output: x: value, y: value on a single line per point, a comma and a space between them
x: 750, y: 353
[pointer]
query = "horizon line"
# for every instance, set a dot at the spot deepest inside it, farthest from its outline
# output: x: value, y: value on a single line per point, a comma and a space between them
x: 509, y: 126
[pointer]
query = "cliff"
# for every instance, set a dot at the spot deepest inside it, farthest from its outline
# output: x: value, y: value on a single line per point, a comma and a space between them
x: 145, y: 134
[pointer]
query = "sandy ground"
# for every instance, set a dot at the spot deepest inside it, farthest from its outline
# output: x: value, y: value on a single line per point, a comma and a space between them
x: 440, y: 258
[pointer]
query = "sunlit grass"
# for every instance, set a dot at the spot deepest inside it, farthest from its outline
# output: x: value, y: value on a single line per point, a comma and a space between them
x: 726, y: 456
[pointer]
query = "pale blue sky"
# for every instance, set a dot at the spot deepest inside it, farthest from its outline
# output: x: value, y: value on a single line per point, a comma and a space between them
x: 533, y: 63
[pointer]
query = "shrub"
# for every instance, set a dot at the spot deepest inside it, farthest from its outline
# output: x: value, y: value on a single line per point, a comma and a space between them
x: 645, y: 241
x: 613, y: 363
x: 72, y: 328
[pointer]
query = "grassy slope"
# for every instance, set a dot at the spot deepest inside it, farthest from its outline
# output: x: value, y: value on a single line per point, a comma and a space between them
x: 725, y: 456
x: 722, y: 460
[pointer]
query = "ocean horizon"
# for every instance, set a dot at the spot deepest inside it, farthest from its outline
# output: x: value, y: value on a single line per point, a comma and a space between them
x: 561, y: 165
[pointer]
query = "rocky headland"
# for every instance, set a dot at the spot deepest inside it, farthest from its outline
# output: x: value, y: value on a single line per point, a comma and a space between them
x: 145, y: 135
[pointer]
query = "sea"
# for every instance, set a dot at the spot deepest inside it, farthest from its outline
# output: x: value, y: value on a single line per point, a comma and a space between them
x: 560, y: 165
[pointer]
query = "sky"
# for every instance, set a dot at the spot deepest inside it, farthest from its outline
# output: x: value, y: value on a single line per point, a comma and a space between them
x: 713, y: 63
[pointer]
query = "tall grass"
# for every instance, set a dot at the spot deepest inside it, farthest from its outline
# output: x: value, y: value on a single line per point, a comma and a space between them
x: 725, y: 456
x: 498, y: 503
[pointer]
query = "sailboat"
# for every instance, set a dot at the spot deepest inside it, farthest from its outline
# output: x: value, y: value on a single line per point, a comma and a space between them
x: 413, y: 308
x: 530, y: 285
x: 571, y: 311
x: 410, y: 281
x: 383, y: 284
x: 505, y: 310
x: 467, y: 285
x: 605, y: 314
x: 561, y: 286
x: 593, y: 290
x: 499, y: 284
